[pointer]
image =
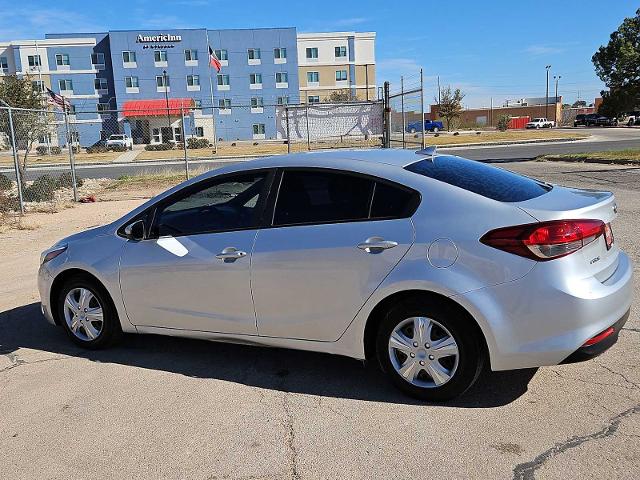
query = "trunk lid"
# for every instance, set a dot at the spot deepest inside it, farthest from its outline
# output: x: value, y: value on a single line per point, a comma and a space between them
x: 563, y: 203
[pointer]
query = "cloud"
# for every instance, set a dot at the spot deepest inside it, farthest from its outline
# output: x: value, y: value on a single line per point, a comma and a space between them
x: 164, y: 21
x: 25, y: 23
x: 538, y: 50
x: 348, y: 22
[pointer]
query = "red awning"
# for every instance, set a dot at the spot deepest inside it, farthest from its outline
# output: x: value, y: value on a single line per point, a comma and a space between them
x: 157, y: 107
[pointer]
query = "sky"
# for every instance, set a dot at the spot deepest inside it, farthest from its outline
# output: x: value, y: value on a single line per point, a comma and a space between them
x: 491, y: 50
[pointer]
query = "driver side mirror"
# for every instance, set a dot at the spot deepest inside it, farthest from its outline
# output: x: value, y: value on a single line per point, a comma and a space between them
x: 135, y: 230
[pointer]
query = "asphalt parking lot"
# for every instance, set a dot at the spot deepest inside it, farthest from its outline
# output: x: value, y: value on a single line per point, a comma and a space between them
x: 159, y: 407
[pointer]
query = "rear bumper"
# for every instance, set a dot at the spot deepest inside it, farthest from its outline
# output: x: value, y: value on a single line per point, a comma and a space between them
x: 592, y: 351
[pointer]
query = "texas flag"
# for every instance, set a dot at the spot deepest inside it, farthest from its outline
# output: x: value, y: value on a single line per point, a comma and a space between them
x: 213, y: 60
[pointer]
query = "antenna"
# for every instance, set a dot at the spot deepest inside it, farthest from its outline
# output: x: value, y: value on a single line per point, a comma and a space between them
x: 429, y: 151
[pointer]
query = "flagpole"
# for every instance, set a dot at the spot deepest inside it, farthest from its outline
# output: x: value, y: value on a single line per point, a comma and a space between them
x: 41, y: 84
x: 213, y: 119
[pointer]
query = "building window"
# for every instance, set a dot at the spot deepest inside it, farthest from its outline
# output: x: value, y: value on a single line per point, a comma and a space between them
x: 255, y: 79
x: 257, y: 102
x: 65, y: 85
x: 258, y: 129
x: 190, y: 55
x: 155, y: 135
x: 222, y: 55
x: 224, y: 103
x: 313, y: 99
x: 71, y: 109
x: 38, y: 85
x: 34, y: 61
x: 280, y: 52
x: 341, y: 75
x: 62, y: 59
x: 162, y: 81
x: 282, y: 77
x: 341, y: 51
x: 283, y: 100
x: 160, y: 56
x: 97, y: 59
x: 193, y: 80
x: 103, y: 107
x: 131, y: 82
x: 197, y: 104
x: 254, y: 54
x: 313, y: 77
x: 100, y: 83
x: 129, y: 57
x: 199, y: 132
x: 4, y: 65
x: 223, y: 79
x: 312, y: 52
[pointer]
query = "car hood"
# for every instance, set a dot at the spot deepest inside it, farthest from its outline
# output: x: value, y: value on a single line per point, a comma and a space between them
x: 85, y: 235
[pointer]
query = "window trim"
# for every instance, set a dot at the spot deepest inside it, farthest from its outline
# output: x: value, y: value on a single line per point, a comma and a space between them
x: 408, y: 213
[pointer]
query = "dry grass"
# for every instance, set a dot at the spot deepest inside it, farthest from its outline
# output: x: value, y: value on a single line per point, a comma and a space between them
x: 631, y: 155
x: 509, y: 136
x: 35, y: 159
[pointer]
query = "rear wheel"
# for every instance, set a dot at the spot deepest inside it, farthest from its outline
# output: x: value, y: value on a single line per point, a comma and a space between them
x: 435, y: 130
x: 429, y: 351
x: 87, y: 313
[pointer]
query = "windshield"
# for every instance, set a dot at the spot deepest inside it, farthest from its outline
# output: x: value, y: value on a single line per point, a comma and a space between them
x: 116, y: 137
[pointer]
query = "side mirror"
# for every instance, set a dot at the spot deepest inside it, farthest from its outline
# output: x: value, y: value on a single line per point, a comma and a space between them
x: 135, y: 230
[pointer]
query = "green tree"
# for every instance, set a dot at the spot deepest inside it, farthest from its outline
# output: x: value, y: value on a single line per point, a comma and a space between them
x: 503, y: 122
x: 338, y: 96
x: 618, y: 66
x: 579, y: 104
x: 450, y: 105
x: 28, y: 125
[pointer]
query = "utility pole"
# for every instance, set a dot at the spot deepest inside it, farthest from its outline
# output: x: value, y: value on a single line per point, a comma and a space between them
x: 404, y: 145
x: 557, y: 79
x: 166, y: 99
x: 546, y: 103
x: 422, y: 108
x: 438, y: 93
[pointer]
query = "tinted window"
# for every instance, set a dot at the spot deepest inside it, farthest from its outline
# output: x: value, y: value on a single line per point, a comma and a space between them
x: 228, y: 204
x: 321, y: 196
x: 480, y: 178
x: 392, y: 201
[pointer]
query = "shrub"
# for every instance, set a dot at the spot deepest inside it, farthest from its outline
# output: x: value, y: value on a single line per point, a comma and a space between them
x: 117, y: 148
x: 193, y: 142
x: 41, y: 189
x: 154, y: 147
x: 5, y: 183
x: 55, y: 150
x: 66, y: 181
x: 503, y: 122
x: 8, y: 203
x: 41, y: 150
x: 97, y: 149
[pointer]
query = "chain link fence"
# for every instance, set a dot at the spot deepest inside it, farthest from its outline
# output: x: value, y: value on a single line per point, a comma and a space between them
x: 48, y: 158
x: 406, y: 112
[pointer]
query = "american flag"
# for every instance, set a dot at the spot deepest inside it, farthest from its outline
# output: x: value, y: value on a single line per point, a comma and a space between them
x: 58, y: 100
x: 213, y: 60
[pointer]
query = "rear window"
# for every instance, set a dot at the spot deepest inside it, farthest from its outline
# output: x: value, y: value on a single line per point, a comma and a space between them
x: 480, y: 178
x: 117, y: 137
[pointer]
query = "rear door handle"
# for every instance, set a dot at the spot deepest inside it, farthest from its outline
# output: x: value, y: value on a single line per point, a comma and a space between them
x: 230, y: 254
x: 376, y: 244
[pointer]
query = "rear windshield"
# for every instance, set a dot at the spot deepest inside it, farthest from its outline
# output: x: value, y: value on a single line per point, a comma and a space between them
x: 116, y: 137
x: 480, y: 178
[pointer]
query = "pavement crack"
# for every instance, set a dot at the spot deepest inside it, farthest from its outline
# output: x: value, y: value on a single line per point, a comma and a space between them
x: 290, y: 438
x: 621, y: 375
x: 526, y: 471
x: 17, y: 361
x: 630, y: 329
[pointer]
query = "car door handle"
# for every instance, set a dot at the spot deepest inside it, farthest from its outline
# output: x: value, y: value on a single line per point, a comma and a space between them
x: 230, y: 254
x: 376, y: 244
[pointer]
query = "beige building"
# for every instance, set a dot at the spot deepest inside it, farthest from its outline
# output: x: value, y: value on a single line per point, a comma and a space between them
x: 342, y: 62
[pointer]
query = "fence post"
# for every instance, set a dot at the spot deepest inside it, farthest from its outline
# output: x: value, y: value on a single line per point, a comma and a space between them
x: 386, y: 134
x: 16, y: 162
x: 422, y: 108
x: 286, y: 113
x: 306, y: 114
x: 404, y: 144
x: 71, y: 157
x: 184, y: 145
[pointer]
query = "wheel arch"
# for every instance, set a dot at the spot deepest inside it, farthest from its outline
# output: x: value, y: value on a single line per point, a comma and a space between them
x: 378, y: 312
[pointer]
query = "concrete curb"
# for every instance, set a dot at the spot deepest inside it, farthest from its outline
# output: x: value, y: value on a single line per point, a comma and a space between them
x: 578, y: 159
x: 508, y: 142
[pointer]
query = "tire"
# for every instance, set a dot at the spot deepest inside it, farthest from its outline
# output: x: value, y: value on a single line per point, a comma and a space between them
x: 435, y: 130
x: 413, y: 130
x: 89, y: 332
x: 448, y: 324
x: 537, y: 127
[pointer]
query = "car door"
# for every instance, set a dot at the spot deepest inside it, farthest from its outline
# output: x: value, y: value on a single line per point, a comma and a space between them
x: 334, y: 237
x: 193, y: 272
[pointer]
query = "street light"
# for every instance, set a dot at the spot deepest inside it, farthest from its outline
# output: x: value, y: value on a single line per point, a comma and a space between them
x: 166, y: 97
x: 546, y: 103
x: 557, y: 79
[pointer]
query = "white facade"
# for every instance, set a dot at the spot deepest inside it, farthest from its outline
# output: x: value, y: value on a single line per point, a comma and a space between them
x: 360, y: 48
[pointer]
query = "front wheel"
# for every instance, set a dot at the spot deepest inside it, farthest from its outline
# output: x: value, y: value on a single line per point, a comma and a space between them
x: 429, y: 351
x: 435, y: 130
x: 87, y: 313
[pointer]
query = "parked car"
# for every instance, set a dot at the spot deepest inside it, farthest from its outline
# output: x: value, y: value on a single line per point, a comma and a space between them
x: 432, y: 265
x: 604, y: 121
x: 581, y: 119
x: 591, y: 120
x: 631, y: 118
x: 120, y: 140
x: 429, y: 126
x: 540, y: 123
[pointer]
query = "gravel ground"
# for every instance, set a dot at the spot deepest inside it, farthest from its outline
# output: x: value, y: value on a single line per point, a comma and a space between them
x: 157, y: 407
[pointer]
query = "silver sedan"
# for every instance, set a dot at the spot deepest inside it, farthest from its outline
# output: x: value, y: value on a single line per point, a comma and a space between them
x: 433, y: 265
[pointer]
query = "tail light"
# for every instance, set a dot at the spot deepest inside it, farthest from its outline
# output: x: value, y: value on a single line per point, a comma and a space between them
x: 545, y: 240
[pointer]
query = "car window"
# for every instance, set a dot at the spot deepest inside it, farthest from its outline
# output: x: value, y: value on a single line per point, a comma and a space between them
x: 230, y: 203
x: 480, y: 178
x: 391, y: 201
x: 307, y: 196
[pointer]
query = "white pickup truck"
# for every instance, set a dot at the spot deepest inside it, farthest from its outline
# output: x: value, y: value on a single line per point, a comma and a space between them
x: 540, y: 123
x: 119, y: 140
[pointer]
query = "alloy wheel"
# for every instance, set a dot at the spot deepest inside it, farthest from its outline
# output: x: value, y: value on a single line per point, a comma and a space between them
x: 83, y: 314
